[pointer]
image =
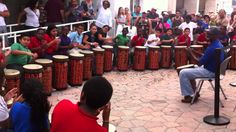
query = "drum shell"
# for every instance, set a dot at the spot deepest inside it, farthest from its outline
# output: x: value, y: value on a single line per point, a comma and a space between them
x: 99, y: 62
x: 198, y: 48
x: 33, y: 73
x: 87, y: 65
x: 165, y: 57
x: 181, y: 57
x: 13, y: 81
x: 75, y: 70
x: 232, y: 62
x: 47, y: 77
x: 60, y: 73
x: 139, y: 59
x: 123, y: 59
x: 153, y: 58
x: 108, y: 59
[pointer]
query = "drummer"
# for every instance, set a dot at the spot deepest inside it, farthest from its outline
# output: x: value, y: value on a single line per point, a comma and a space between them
x: 154, y: 39
x: 103, y: 38
x: 184, y: 39
x: 207, y: 63
x: 20, y: 54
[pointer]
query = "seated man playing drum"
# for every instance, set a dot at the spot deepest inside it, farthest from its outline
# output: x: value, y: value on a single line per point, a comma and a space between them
x: 207, y: 63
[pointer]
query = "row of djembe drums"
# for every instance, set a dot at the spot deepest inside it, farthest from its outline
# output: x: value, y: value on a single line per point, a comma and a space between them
x: 76, y: 67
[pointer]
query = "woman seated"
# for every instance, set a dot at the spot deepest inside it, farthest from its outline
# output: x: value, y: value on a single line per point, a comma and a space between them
x: 65, y: 43
x: 91, y: 38
x: 52, y: 41
x: 103, y: 38
x: 31, y: 115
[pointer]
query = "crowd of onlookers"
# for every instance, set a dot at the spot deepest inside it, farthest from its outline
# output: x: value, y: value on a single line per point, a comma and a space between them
x: 152, y: 29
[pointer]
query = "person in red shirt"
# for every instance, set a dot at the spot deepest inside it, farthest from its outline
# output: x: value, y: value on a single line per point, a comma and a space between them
x: 82, y: 117
x: 38, y: 43
x: 52, y: 41
x: 202, y: 39
x: 138, y: 40
x: 184, y: 39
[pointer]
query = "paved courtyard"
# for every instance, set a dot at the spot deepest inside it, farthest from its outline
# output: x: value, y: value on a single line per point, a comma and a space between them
x: 149, y: 101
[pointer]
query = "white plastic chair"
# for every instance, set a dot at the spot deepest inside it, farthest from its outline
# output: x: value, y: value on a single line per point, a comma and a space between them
x: 223, y: 67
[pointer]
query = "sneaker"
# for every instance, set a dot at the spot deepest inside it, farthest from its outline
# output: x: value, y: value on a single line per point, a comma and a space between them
x: 188, y: 99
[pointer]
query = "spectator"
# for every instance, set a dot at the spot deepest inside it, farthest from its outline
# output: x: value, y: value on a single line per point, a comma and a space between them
x: 88, y: 8
x: 137, y: 13
x: 232, y: 22
x: 188, y: 24
x: 73, y: 12
x: 65, y: 43
x: 91, y: 38
x: 43, y: 15
x: 128, y: 16
x: 3, y: 13
x: 144, y: 24
x: 120, y: 20
x: 55, y: 12
x: 32, y: 114
x: 94, y: 98
x: 32, y: 15
x: 154, y: 17
x: 77, y: 37
x: 177, y: 20
x: 52, y: 41
x: 104, y: 15
x: 221, y: 19
x: 38, y: 43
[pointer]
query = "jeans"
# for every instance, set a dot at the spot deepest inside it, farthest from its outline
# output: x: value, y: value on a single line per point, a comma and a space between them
x: 3, y: 29
x: 190, y: 74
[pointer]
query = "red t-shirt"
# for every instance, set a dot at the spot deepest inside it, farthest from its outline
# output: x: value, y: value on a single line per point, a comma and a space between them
x: 68, y: 117
x: 2, y: 57
x: 51, y: 48
x: 138, y: 42
x: 202, y: 37
x: 234, y: 38
x: 183, y: 38
x: 35, y: 43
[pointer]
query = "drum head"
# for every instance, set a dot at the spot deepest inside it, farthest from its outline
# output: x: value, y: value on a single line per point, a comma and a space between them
x: 76, y: 55
x: 181, y: 47
x: 11, y: 72
x: 154, y: 47
x: 140, y: 47
x: 32, y: 67
x: 186, y: 66
x: 60, y: 57
x: 233, y: 84
x: 107, y: 47
x: 98, y: 49
x: 123, y: 47
x: 196, y: 46
x: 86, y: 52
x: 165, y: 46
x: 43, y: 61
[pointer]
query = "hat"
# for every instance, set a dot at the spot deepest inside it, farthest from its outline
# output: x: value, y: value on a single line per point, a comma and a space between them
x: 198, y: 14
x: 214, y: 31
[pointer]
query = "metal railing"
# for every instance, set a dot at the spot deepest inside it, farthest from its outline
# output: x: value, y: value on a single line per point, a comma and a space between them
x: 15, y: 34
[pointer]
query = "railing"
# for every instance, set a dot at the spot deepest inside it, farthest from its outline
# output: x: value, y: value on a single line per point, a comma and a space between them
x: 15, y: 34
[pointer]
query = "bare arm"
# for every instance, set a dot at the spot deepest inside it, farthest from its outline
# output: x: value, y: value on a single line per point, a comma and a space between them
x: 5, y: 13
x: 22, y: 13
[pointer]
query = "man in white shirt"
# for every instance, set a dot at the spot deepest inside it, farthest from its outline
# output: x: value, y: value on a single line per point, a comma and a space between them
x: 188, y: 24
x: 3, y: 13
x: 104, y: 15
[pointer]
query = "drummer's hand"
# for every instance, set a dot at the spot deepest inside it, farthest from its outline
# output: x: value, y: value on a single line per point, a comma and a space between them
x: 18, y: 99
x: 7, y: 52
x: 87, y: 46
x: 95, y: 44
x: 106, y: 112
x: 35, y: 55
x: 11, y: 94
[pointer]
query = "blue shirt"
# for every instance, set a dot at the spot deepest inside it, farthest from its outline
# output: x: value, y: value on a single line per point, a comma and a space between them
x: 75, y: 37
x: 20, y: 118
x: 208, y: 59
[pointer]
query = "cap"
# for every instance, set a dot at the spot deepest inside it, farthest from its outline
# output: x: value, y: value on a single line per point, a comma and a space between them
x: 165, y: 13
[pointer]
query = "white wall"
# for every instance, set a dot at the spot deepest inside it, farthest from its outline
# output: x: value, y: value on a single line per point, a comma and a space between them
x: 160, y: 5
x: 191, y: 6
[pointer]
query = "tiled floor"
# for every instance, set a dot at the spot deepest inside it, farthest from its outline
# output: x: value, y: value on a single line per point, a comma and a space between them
x: 149, y: 101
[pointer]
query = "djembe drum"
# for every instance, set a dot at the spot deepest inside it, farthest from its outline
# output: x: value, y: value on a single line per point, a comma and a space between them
x: 198, y: 48
x: 107, y: 57
x: 12, y: 80
x: 123, y: 58
x: 60, y: 71
x: 88, y: 64
x: 165, y: 56
x: 47, y: 74
x: 193, y: 82
x: 99, y: 60
x: 139, y: 58
x: 232, y: 62
x: 75, y: 69
x: 33, y: 71
x: 181, y: 57
x: 153, y: 57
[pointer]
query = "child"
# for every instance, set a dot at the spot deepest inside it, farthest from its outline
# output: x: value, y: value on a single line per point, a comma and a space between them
x: 167, y: 38
x: 184, y: 39
x: 65, y: 43
x: 154, y: 39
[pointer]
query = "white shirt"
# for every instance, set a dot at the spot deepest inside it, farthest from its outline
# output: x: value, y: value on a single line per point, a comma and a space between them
x: 32, y: 18
x: 105, y: 17
x: 3, y: 7
x: 190, y: 25
x: 4, y: 113
x: 150, y: 38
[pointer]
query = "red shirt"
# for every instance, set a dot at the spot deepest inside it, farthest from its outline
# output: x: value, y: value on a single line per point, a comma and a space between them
x: 184, y: 38
x: 2, y: 57
x: 68, y: 117
x: 202, y: 37
x: 137, y: 41
x: 234, y: 38
x: 51, y: 48
x: 35, y: 43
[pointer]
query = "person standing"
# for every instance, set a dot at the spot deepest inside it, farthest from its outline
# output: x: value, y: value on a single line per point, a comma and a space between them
x: 55, y: 12
x: 104, y: 15
x: 3, y: 13
x: 188, y: 24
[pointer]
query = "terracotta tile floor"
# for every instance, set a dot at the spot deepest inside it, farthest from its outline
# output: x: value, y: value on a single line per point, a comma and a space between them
x: 149, y: 101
